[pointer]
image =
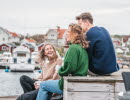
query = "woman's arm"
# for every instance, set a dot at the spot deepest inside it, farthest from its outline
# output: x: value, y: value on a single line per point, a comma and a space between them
x: 57, y: 67
x: 70, y: 62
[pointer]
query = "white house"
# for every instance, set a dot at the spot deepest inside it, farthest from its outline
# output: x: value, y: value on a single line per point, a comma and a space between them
x: 128, y: 42
x: 29, y: 41
x: 56, y: 36
x: 8, y: 37
x: 116, y: 42
x: 14, y: 37
x: 4, y: 36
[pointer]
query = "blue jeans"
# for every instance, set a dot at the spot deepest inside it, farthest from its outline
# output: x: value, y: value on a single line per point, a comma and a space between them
x: 47, y: 88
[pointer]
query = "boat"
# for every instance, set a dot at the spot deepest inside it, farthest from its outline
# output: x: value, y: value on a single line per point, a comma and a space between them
x: 34, y: 56
x: 5, y: 59
x: 21, y: 60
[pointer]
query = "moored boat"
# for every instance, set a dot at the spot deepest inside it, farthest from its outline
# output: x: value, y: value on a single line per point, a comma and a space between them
x: 21, y: 60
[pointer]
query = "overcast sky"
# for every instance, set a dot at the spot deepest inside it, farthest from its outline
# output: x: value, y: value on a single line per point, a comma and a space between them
x: 36, y: 16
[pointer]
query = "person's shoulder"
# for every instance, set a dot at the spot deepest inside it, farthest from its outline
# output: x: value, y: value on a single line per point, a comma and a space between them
x: 96, y: 32
x: 75, y: 46
x: 94, y: 29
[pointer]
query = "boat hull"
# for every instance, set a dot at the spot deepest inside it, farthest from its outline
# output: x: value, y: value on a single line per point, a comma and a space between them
x: 22, y: 67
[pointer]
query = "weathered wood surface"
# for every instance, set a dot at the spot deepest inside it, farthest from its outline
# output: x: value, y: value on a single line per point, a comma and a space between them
x: 89, y: 96
x: 9, y: 98
x: 93, y: 88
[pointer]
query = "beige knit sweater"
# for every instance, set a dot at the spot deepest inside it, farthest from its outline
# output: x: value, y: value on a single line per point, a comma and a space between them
x: 48, y: 71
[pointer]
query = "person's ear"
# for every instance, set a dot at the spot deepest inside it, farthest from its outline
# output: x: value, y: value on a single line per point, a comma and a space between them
x: 87, y: 22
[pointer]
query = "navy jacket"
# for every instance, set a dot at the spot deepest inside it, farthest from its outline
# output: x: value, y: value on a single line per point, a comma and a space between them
x: 102, y: 58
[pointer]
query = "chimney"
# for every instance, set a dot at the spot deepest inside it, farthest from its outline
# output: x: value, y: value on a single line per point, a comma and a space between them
x: 58, y: 28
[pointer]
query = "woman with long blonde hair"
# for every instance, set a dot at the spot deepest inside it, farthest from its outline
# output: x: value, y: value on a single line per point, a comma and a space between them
x: 48, y: 60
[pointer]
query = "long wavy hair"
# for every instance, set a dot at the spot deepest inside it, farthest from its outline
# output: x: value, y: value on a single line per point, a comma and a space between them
x: 42, y: 57
x: 80, y: 37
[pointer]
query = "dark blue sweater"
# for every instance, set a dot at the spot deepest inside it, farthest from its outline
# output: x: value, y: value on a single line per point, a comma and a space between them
x: 102, y: 58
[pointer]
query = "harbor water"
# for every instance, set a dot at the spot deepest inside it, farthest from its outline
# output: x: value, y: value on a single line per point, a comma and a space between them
x: 9, y: 82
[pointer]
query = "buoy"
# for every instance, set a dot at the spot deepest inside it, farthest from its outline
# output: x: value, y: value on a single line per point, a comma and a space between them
x: 39, y: 71
x: 6, y: 70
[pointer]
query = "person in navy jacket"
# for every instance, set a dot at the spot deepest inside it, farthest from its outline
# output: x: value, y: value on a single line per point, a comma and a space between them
x: 102, y: 58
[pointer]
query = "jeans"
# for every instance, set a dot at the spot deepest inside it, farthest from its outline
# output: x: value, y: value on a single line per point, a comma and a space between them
x: 47, y: 88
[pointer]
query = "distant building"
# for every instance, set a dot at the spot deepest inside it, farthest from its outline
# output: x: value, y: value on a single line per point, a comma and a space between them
x: 29, y: 41
x: 56, y: 36
x: 7, y: 47
x: 116, y: 42
x: 14, y: 37
x: 40, y: 46
x: 126, y: 41
x: 8, y: 37
x: 29, y: 46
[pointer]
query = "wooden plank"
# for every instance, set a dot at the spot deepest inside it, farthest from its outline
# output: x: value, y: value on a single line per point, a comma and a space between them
x: 9, y: 98
x: 93, y: 88
x: 84, y: 86
x: 89, y: 96
x: 119, y: 87
x: 94, y: 79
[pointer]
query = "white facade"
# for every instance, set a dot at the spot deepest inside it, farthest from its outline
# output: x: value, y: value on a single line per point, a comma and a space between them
x: 14, y: 39
x: 52, y: 34
x: 128, y: 42
x: 6, y: 37
x: 62, y: 41
x: 52, y: 37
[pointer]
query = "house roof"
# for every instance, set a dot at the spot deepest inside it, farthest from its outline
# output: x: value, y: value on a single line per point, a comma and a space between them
x: 14, y: 34
x: 30, y: 40
x: 29, y: 45
x: 4, y: 30
x: 9, y: 44
x: 40, y: 44
x: 61, y: 33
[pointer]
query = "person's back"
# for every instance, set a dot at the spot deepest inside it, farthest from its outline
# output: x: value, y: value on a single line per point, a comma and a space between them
x: 102, y: 58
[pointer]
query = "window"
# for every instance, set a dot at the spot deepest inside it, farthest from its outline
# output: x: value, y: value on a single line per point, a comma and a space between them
x: 21, y: 54
x: 52, y: 34
x: 3, y: 39
x: 4, y: 48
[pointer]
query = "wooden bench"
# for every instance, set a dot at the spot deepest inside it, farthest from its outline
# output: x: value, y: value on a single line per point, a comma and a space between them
x: 93, y: 88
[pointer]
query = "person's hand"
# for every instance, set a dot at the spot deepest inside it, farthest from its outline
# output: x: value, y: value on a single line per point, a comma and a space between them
x: 36, y: 85
x: 59, y: 62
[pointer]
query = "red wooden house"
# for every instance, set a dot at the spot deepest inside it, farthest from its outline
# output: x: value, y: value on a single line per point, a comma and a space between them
x: 40, y: 46
x: 7, y: 47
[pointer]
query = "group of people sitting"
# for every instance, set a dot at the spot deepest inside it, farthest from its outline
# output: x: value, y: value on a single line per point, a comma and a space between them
x: 91, y: 51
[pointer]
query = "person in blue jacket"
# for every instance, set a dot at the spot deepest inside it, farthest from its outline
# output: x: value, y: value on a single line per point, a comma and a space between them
x: 102, y: 58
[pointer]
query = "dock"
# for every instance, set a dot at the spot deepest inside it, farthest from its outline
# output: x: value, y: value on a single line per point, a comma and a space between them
x: 94, y: 87
x: 8, y: 98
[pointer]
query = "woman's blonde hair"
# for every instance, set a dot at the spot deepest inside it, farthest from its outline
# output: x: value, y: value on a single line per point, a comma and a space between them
x: 42, y: 56
x: 80, y: 38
